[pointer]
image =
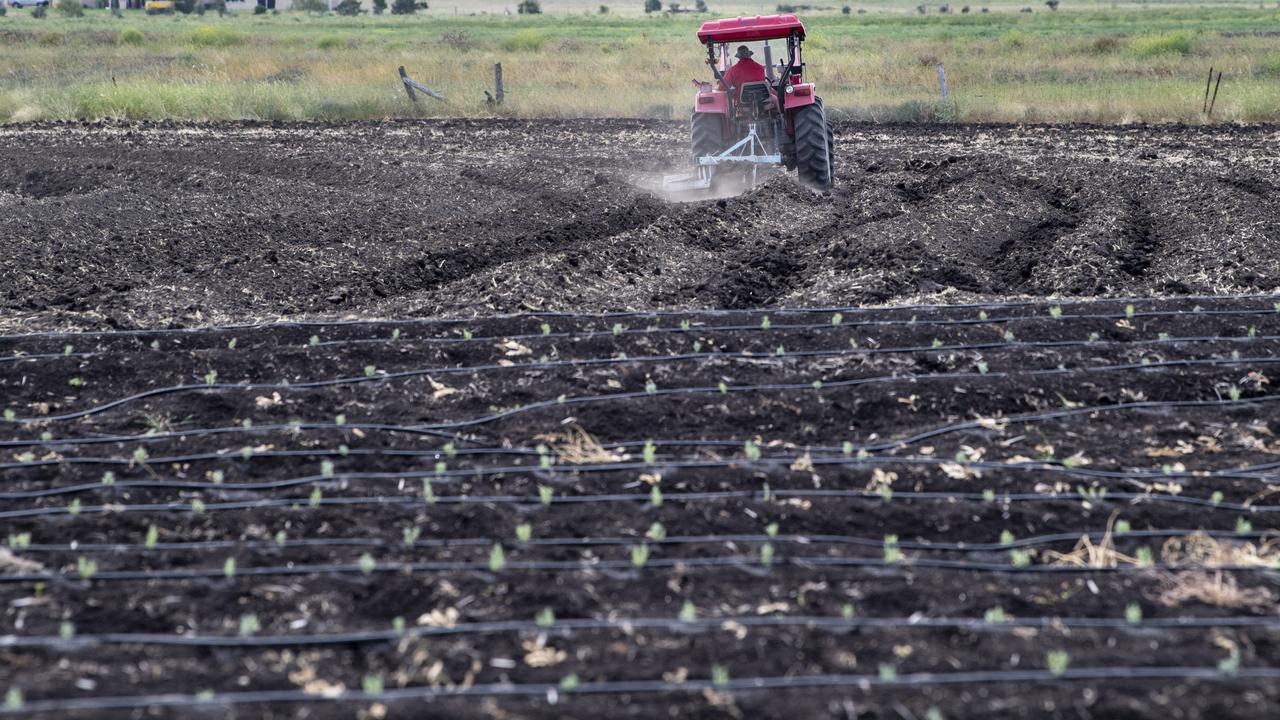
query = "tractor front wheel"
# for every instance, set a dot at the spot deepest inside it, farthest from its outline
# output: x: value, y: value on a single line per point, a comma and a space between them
x: 813, y: 146
x: 706, y: 134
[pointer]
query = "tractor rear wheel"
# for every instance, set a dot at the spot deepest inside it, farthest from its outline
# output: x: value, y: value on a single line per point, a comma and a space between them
x: 706, y: 134
x: 813, y: 146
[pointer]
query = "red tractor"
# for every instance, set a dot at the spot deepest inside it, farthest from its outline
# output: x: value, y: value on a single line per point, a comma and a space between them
x: 757, y: 115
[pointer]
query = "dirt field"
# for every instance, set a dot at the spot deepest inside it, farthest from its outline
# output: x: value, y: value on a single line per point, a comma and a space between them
x: 407, y: 504
x: 123, y: 226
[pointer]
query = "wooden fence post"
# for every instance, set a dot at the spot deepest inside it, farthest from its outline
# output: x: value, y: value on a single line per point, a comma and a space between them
x: 499, y: 91
x: 404, y: 80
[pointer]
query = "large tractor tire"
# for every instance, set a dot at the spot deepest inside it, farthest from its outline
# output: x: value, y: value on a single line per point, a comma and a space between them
x: 831, y: 145
x: 813, y: 146
x: 707, y: 134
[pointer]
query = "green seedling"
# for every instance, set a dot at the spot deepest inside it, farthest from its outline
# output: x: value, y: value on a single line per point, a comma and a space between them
x: 545, y: 618
x: 497, y: 558
x: 640, y: 555
x: 1133, y: 613
x: 688, y: 612
x: 411, y: 535
x: 367, y: 564
x: 892, y: 553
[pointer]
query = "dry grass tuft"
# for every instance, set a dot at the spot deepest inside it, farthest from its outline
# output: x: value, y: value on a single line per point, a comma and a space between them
x: 1212, y: 588
x: 1089, y: 554
x: 576, y: 446
x: 1200, y: 549
x: 10, y: 563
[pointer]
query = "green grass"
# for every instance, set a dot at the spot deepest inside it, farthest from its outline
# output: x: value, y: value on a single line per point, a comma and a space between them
x: 1088, y: 63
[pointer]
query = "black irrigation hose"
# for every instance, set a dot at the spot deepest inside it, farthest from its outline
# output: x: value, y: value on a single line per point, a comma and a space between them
x: 564, y: 626
x: 705, y: 329
x: 522, y: 500
x: 787, y: 682
x: 680, y: 357
x: 449, y: 477
x: 684, y: 564
x: 845, y: 310
x: 435, y: 431
x: 487, y: 542
x: 726, y: 389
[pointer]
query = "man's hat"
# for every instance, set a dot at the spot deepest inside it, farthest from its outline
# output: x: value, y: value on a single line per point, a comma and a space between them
x: 744, y: 52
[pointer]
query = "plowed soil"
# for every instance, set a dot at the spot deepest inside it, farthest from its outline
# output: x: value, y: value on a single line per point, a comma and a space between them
x: 148, y: 224
x: 401, y: 502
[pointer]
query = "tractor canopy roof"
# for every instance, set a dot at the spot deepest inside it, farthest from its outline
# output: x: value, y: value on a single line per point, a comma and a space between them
x: 747, y: 29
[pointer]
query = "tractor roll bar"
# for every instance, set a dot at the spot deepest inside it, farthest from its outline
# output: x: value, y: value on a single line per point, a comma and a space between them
x: 793, y: 44
x: 711, y: 60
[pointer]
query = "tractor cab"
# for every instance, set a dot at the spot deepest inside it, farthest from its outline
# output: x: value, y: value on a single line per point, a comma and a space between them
x: 776, y: 43
x: 743, y: 121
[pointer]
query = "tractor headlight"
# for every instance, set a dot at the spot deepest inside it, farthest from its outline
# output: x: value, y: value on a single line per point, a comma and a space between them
x: 790, y: 89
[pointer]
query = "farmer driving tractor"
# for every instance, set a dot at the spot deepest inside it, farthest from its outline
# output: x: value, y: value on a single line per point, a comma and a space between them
x: 744, y: 71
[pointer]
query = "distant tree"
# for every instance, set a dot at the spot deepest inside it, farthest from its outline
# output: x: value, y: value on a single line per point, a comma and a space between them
x: 604, y: 9
x: 846, y: 10
x: 674, y: 7
x: 529, y: 7
x: 1053, y: 5
x: 403, y: 7
x: 39, y: 11
x: 922, y: 9
x: 379, y: 6
x: 348, y: 8
x: 70, y: 8
x: 700, y: 6
x: 652, y: 6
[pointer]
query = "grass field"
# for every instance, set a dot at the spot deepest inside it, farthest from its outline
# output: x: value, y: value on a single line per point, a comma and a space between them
x: 1095, y: 63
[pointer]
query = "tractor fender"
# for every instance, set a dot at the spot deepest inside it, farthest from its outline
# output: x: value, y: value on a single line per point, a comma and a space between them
x: 800, y: 95
x: 716, y: 101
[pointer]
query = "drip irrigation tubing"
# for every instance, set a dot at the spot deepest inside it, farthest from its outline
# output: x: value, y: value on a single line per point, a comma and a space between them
x: 562, y: 626
x: 631, y: 687
x: 587, y: 399
x: 685, y: 313
x: 449, y: 477
x: 684, y: 564
x: 763, y: 495
x: 488, y: 542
